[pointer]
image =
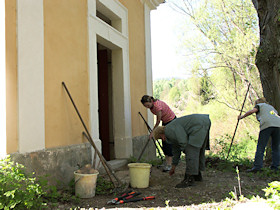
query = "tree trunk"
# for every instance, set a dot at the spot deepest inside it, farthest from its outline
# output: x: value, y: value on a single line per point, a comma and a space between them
x: 268, y: 55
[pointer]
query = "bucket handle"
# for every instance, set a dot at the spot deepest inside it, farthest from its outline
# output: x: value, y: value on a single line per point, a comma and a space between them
x: 76, y: 181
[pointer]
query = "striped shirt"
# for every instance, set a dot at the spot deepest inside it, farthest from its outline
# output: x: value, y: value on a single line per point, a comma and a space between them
x: 166, y: 113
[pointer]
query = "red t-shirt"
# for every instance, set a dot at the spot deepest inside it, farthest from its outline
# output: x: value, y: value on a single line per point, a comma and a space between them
x: 166, y: 113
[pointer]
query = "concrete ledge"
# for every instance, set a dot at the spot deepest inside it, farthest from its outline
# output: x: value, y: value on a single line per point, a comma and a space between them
x: 57, y: 163
x: 114, y: 164
x: 138, y: 145
x: 60, y: 163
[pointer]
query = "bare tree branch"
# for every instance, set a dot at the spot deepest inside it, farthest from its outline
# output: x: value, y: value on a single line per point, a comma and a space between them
x: 255, y: 3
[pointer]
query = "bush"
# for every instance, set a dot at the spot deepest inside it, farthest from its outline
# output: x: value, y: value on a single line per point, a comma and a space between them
x: 272, y: 193
x: 240, y: 151
x: 17, y: 190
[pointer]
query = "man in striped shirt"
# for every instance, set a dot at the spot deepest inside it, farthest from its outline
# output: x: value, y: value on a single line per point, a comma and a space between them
x: 164, y: 114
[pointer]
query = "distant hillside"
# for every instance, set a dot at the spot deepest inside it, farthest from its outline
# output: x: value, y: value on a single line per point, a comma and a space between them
x: 194, y: 96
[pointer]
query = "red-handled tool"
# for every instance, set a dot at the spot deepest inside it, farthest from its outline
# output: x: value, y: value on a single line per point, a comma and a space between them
x: 127, y: 198
x: 127, y: 194
x: 135, y: 199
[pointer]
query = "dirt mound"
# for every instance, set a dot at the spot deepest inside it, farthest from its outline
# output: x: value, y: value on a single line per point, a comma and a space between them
x: 87, y: 169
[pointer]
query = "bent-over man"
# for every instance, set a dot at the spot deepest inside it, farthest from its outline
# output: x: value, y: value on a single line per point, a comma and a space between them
x: 188, y: 134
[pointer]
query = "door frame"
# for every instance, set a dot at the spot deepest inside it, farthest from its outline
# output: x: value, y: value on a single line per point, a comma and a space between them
x: 115, y: 38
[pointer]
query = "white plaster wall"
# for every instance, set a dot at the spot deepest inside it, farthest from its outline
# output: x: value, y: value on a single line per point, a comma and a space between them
x: 149, y: 74
x: 3, y: 137
x: 30, y: 39
x: 126, y: 92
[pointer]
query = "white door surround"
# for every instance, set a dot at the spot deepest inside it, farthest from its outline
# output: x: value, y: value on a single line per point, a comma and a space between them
x: 114, y: 37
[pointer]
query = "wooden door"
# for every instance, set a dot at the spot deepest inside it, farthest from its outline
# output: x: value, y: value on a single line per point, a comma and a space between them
x: 103, y: 101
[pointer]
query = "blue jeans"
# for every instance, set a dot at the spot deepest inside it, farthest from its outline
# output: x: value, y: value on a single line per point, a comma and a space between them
x: 264, y: 135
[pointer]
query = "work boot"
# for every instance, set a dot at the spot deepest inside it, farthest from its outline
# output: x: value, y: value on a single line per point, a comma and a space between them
x: 198, y: 177
x: 274, y: 169
x: 254, y: 170
x: 166, y: 168
x: 188, y: 181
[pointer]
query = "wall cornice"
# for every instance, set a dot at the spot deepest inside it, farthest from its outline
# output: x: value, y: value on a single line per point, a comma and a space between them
x: 153, y: 4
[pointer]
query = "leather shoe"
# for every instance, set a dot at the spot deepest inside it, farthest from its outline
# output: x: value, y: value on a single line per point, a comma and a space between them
x: 253, y: 170
x: 274, y: 169
x: 188, y: 181
x: 166, y: 168
x: 198, y: 177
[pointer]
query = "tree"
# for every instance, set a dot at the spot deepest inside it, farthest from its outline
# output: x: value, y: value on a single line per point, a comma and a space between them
x: 268, y: 55
x: 226, y: 46
x: 174, y: 94
x: 205, y: 90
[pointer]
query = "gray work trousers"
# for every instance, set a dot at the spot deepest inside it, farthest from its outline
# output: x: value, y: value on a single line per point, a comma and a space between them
x: 195, y: 158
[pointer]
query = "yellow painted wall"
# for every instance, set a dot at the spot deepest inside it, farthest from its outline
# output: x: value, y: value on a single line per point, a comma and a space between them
x: 11, y: 76
x: 66, y: 59
x: 137, y: 60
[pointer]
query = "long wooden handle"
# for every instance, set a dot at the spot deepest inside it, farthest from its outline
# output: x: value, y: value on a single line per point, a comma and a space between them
x: 89, y: 136
x: 103, y: 161
x: 155, y: 141
x: 238, y: 120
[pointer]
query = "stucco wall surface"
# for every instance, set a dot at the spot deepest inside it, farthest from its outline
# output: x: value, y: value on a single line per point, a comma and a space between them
x: 11, y: 76
x: 66, y: 59
x: 137, y: 63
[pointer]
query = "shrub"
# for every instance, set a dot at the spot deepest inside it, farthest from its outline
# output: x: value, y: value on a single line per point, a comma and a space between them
x: 240, y: 151
x: 17, y: 190
x: 272, y: 194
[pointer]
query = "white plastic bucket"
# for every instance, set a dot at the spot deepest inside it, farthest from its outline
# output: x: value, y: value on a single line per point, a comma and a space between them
x: 139, y: 174
x: 85, y: 184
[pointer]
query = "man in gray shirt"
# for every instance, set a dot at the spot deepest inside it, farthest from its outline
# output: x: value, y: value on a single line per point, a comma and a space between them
x: 269, y: 126
x: 188, y: 134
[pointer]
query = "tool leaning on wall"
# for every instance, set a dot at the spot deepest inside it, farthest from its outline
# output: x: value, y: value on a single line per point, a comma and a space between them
x: 106, y: 166
x: 157, y: 144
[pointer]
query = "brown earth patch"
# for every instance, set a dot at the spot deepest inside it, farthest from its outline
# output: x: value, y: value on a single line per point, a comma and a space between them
x: 215, y: 187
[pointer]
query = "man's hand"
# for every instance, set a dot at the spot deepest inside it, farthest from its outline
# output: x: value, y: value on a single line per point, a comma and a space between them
x: 151, y: 135
x: 172, y: 171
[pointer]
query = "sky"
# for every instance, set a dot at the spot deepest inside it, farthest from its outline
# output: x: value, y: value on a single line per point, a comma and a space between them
x: 166, y: 59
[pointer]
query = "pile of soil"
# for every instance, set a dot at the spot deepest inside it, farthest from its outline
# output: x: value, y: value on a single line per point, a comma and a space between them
x: 87, y: 169
x: 215, y: 187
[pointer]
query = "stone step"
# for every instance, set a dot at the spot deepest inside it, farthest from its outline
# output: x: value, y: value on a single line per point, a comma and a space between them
x: 114, y: 164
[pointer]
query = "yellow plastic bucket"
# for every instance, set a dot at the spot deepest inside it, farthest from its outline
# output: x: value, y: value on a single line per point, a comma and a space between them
x: 139, y: 174
x: 85, y: 184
